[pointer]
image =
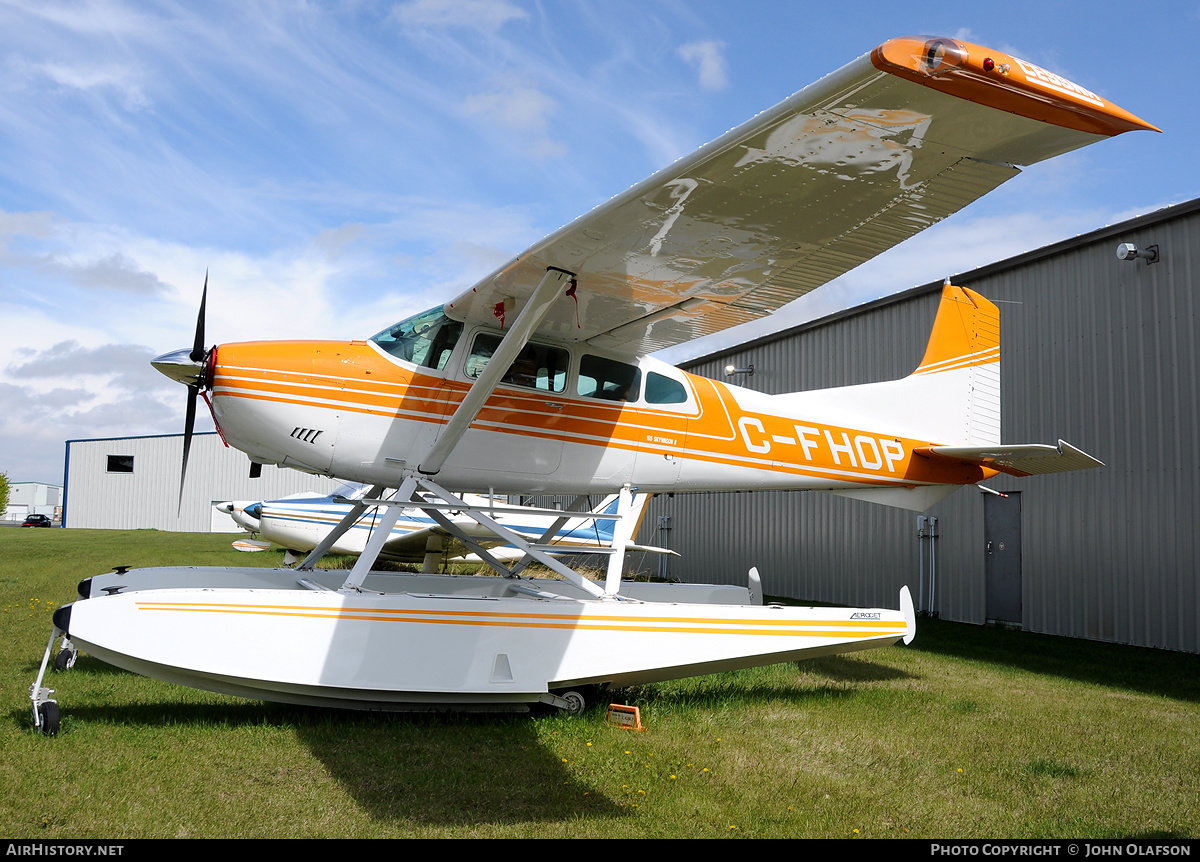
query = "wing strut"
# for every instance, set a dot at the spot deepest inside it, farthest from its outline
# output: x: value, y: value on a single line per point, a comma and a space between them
x: 408, y: 498
x: 337, y: 532
x: 552, y: 531
x: 553, y: 283
x: 380, y: 534
x: 515, y: 539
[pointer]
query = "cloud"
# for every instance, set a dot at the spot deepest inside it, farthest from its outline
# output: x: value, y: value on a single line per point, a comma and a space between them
x: 334, y: 241
x: 519, y: 108
x: 522, y: 110
x: 35, y: 224
x: 112, y: 20
x: 127, y: 364
x: 707, y: 57
x: 473, y: 14
x: 114, y: 272
x: 86, y: 79
x: 35, y: 424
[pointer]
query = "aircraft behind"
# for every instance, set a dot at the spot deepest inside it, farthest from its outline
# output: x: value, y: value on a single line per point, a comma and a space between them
x: 299, y: 522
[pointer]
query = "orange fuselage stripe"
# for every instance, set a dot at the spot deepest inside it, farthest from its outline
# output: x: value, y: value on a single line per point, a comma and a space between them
x: 848, y: 628
x: 305, y: 374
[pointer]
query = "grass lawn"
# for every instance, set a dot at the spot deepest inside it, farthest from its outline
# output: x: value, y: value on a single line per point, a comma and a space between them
x: 968, y: 732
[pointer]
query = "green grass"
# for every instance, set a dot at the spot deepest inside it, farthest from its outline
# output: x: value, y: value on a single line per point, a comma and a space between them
x: 969, y: 732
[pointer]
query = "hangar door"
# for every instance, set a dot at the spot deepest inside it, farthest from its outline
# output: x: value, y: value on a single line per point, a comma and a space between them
x: 1002, y: 569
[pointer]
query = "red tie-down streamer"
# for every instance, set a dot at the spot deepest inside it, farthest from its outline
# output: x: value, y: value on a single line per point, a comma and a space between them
x: 571, y: 293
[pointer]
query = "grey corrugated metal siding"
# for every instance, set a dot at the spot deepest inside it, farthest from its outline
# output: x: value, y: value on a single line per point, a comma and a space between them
x: 1098, y: 351
x: 148, y: 497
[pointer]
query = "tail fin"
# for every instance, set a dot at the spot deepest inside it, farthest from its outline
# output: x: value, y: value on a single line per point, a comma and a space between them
x: 953, y: 396
x: 966, y: 335
x: 966, y: 341
x: 601, y: 530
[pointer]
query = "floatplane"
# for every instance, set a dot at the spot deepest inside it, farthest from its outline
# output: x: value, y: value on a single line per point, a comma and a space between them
x: 537, y: 380
x: 299, y: 523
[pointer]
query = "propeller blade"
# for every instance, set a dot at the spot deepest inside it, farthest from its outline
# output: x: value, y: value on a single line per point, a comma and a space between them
x: 188, y: 423
x: 197, y: 354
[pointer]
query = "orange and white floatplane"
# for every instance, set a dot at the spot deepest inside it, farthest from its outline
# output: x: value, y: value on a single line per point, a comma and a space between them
x: 537, y: 381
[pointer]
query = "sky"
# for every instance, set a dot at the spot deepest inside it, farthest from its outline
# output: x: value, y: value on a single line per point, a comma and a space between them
x: 335, y: 167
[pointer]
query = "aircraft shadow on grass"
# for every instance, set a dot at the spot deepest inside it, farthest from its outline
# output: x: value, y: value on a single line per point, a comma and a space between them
x: 1135, y: 669
x: 453, y: 769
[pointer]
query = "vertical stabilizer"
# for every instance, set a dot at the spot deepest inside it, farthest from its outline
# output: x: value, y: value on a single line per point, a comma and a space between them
x: 951, y: 399
x: 965, y: 343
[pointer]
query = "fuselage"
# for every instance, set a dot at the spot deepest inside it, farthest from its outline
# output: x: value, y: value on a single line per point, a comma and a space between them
x: 574, y: 421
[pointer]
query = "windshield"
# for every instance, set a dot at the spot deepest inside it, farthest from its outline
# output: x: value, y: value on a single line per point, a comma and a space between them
x: 426, y: 340
x: 350, y: 490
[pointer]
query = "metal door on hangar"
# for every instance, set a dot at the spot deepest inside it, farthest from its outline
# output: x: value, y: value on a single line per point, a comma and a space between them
x: 1002, y: 570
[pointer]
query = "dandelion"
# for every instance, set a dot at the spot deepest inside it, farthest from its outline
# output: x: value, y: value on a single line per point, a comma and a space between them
x: 855, y: 831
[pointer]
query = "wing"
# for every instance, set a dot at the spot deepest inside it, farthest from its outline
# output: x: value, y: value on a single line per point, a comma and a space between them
x: 827, y: 179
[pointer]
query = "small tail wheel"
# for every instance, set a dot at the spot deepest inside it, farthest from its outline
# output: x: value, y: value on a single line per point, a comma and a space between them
x: 577, y: 702
x: 49, y: 715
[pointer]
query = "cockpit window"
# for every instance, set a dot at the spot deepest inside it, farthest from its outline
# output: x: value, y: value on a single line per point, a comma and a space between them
x: 426, y: 340
x: 664, y: 390
x: 537, y: 366
x: 608, y: 379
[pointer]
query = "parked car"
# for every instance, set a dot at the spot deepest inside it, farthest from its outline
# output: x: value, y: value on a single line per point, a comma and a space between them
x: 37, y: 521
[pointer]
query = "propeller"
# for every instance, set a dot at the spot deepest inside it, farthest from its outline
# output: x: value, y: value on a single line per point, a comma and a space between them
x: 189, y: 367
x: 189, y: 422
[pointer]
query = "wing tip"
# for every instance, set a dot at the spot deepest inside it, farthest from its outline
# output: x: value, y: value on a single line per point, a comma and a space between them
x: 1000, y: 80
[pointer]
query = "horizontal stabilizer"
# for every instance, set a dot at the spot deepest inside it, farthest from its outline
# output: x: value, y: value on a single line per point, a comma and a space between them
x: 651, y: 549
x: 1030, y: 459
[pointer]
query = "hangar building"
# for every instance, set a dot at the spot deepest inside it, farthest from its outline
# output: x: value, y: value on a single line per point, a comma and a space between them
x: 132, y: 483
x: 1102, y: 352
x: 28, y: 498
